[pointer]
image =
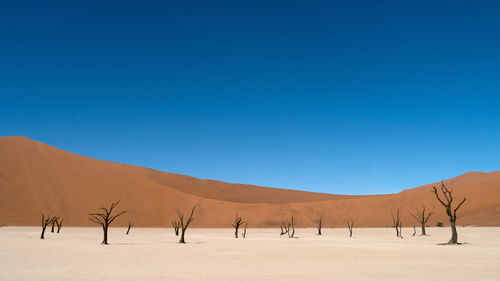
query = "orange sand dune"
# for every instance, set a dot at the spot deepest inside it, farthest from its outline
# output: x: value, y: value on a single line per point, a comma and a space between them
x: 36, y: 178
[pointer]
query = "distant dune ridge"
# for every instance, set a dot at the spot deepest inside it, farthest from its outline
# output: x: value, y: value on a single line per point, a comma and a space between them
x: 36, y: 178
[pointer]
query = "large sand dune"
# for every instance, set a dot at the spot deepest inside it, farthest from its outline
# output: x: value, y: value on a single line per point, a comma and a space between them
x: 37, y: 178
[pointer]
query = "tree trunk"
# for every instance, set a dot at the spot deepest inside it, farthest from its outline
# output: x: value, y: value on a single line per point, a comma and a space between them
x: 182, y: 236
x: 236, y: 232
x: 105, y: 240
x: 454, y: 234
x: 423, y: 230
x: 350, y: 232
x: 53, y: 223
x: 43, y: 233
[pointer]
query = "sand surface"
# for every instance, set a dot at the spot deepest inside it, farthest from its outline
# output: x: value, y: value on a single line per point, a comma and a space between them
x: 212, y: 254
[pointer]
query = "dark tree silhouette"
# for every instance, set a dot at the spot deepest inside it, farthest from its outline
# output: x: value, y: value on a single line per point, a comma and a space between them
x: 129, y: 227
x: 452, y: 213
x: 320, y: 225
x: 414, y: 231
x: 184, y: 224
x: 350, y: 224
x: 176, y: 225
x: 46, y: 220
x: 236, y: 224
x: 105, y: 218
x: 244, y: 234
x: 284, y: 228
x: 421, y: 217
x: 59, y: 223
x: 291, y: 232
x: 396, y: 223
x: 54, y: 221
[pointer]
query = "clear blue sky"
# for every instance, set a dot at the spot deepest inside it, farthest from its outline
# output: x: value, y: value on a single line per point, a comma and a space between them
x: 332, y: 96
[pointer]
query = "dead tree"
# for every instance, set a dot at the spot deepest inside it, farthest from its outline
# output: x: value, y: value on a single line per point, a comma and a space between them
x: 59, y: 223
x: 452, y: 213
x: 176, y: 225
x: 54, y: 221
x: 184, y: 224
x: 236, y: 224
x: 350, y: 224
x: 129, y: 227
x: 421, y: 217
x: 320, y: 224
x: 46, y: 220
x: 284, y: 228
x: 396, y: 223
x: 105, y: 218
x: 414, y: 231
x: 244, y: 234
x: 291, y: 233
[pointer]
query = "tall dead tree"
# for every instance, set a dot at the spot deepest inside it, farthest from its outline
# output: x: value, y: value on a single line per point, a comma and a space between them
x: 447, y: 201
x: 128, y: 228
x: 236, y: 224
x: 176, y: 224
x: 320, y: 225
x: 54, y: 220
x: 59, y: 223
x: 184, y: 223
x: 350, y: 224
x: 396, y: 223
x: 284, y: 228
x: 46, y: 220
x: 421, y: 217
x: 244, y: 234
x: 105, y: 218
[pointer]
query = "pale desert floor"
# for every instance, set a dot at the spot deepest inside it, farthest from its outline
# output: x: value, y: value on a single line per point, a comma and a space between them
x: 212, y: 254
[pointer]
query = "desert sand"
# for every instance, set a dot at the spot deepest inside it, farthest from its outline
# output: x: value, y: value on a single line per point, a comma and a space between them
x: 37, y: 178
x: 212, y: 254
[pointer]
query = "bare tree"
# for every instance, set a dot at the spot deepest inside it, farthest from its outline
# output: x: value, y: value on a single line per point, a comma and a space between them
x: 105, y: 218
x: 320, y: 225
x: 350, y: 224
x: 244, y: 234
x: 421, y: 217
x: 236, y: 224
x: 284, y: 228
x: 54, y: 220
x: 59, y: 223
x: 414, y: 231
x: 176, y: 224
x: 291, y: 233
x: 396, y: 223
x: 129, y: 227
x: 184, y: 224
x: 46, y: 220
x: 447, y: 204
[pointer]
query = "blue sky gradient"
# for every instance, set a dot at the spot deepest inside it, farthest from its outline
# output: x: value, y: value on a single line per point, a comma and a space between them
x: 331, y: 96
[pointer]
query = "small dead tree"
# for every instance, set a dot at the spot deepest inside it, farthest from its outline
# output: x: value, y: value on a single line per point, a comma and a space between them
x: 59, y: 223
x: 291, y: 233
x: 350, y: 224
x: 46, y: 220
x: 129, y: 227
x: 396, y: 223
x: 176, y: 224
x: 184, y: 223
x: 414, y: 231
x: 284, y: 228
x: 320, y: 225
x: 244, y: 234
x: 447, y: 201
x: 105, y: 218
x: 236, y: 224
x: 421, y: 217
x: 54, y: 220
